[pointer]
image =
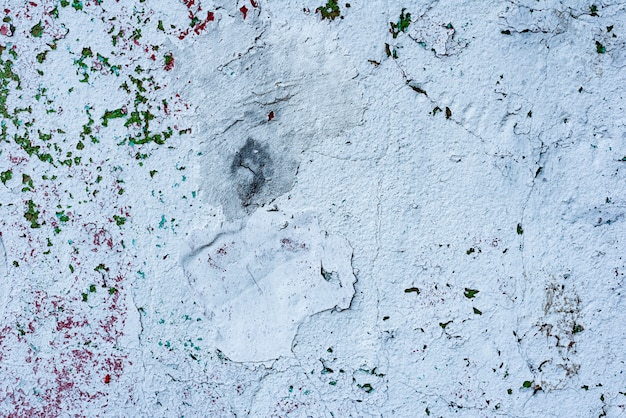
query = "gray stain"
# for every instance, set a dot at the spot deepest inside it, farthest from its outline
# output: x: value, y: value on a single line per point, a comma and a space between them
x: 251, y: 168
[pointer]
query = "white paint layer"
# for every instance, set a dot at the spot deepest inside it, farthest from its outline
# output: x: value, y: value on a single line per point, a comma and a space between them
x: 259, y: 282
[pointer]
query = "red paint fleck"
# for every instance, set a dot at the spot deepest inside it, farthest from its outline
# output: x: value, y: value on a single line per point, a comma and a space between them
x: 271, y: 115
x: 183, y: 34
x: 244, y: 11
x: 254, y: 3
x: 107, y: 379
x: 16, y: 160
x: 201, y: 26
x: 69, y: 324
x: 4, y: 30
x: 291, y: 245
x: 103, y: 237
x: 169, y: 62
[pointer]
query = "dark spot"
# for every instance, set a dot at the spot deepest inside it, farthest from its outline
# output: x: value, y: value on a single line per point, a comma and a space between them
x: 251, y: 167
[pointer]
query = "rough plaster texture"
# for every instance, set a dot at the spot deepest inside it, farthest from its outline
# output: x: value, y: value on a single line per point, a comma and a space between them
x: 282, y: 208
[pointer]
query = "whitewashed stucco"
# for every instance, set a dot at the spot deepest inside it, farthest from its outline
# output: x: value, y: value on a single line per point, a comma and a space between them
x: 216, y: 209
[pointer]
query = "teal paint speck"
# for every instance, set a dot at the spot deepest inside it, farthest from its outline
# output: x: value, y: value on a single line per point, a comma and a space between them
x: 162, y: 221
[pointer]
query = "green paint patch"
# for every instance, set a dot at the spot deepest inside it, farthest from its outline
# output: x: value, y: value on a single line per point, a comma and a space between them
x: 470, y: 293
x: 44, y: 136
x: 32, y: 214
x: 41, y: 57
x: 113, y: 114
x: 527, y: 384
x: 520, y: 230
x: 330, y: 10
x: 119, y: 220
x: 27, y: 181
x: 37, y: 30
x: 6, y: 176
x: 600, y: 49
x: 26, y: 144
x: 477, y: 311
x: 402, y: 25
x: 136, y: 35
x: 169, y: 60
x: 87, y: 132
x: 62, y: 216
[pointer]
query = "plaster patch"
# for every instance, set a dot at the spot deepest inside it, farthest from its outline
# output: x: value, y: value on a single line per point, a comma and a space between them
x: 259, y: 281
x: 274, y: 100
x: 439, y: 37
x: 524, y: 19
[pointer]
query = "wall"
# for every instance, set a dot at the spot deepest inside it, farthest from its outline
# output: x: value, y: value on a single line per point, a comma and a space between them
x: 281, y: 208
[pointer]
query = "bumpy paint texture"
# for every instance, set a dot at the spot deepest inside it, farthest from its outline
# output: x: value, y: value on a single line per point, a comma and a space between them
x: 316, y: 208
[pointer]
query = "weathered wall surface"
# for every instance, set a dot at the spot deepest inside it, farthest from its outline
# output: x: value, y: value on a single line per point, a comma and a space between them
x: 290, y: 208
